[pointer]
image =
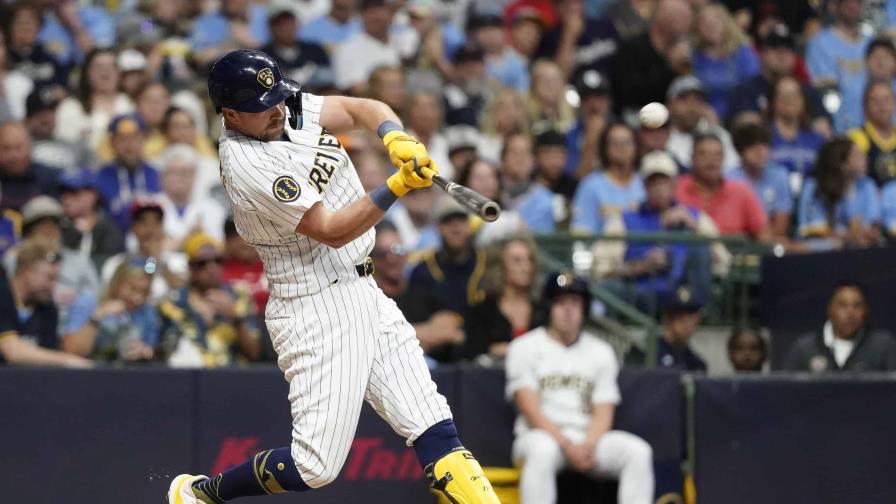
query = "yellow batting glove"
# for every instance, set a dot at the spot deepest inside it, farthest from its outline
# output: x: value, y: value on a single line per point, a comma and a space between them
x: 411, y: 175
x: 403, y: 148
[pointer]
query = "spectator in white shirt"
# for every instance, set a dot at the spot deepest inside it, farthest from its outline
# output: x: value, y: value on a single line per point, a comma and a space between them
x: 374, y: 46
x: 184, y: 214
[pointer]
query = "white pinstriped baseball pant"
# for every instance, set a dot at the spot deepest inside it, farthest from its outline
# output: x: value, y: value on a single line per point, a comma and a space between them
x: 336, y: 348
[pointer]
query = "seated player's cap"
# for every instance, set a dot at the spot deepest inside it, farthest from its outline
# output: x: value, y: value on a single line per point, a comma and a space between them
x: 77, y: 180
x: 202, y: 246
x: 591, y: 82
x: 778, y: 37
x: 41, y: 98
x: 684, y: 85
x: 127, y: 123
x: 657, y: 163
x: 143, y: 205
x: 549, y: 138
x: 559, y: 283
x: 39, y: 208
x: 447, y: 207
x: 682, y: 299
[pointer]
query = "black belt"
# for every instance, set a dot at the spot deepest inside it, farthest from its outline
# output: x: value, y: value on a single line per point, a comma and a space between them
x: 365, y: 269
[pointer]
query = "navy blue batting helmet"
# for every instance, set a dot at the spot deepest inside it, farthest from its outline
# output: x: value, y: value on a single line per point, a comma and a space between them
x: 558, y: 284
x: 248, y: 81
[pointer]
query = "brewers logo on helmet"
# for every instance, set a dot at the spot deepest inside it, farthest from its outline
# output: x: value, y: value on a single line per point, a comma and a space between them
x: 248, y: 81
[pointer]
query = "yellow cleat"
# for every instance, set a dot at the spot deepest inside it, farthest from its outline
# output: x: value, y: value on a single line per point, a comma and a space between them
x: 460, y: 478
x: 181, y: 490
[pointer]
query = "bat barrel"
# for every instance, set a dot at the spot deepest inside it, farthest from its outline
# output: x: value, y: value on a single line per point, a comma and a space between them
x: 490, y: 211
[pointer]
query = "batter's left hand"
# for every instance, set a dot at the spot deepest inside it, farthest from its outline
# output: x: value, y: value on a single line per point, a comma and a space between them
x: 404, y: 148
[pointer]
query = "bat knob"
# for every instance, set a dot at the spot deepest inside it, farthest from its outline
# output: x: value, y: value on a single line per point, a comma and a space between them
x: 490, y: 211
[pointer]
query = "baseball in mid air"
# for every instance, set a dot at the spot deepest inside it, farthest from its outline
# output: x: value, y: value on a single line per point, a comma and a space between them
x: 653, y: 115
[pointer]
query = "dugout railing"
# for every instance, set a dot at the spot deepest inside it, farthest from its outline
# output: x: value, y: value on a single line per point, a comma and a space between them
x: 731, y: 293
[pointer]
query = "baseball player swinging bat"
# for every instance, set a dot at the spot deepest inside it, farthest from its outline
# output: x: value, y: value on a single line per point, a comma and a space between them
x: 297, y: 199
x: 485, y: 208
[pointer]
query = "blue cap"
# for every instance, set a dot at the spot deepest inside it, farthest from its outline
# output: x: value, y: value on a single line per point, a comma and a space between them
x: 81, y: 179
x: 127, y: 123
x: 683, y: 299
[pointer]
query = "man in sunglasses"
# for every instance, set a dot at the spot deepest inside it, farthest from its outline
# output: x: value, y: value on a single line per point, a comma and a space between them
x: 208, y: 323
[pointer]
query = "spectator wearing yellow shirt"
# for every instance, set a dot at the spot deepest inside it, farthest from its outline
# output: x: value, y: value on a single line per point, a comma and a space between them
x: 877, y: 136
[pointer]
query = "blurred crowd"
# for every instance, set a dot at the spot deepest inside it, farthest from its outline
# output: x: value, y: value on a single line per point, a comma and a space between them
x: 115, y: 232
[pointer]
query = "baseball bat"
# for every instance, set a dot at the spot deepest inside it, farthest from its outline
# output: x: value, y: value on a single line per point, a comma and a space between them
x: 485, y: 208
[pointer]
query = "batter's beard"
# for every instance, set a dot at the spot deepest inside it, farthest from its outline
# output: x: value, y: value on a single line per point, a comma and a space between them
x: 274, y: 134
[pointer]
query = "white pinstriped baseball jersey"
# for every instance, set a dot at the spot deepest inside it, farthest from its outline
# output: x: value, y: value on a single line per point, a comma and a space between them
x: 339, y: 339
x: 272, y: 184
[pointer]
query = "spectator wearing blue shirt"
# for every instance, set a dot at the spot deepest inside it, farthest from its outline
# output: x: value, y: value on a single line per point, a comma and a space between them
x: 877, y: 137
x: 840, y: 206
x: 333, y: 29
x: 888, y: 204
x: 836, y: 60
x: 502, y: 64
x: 534, y: 202
x: 614, y: 189
x: 769, y: 181
x: 880, y: 66
x: 778, y: 58
x: 238, y: 24
x: 794, y: 144
x: 122, y: 326
x: 653, y: 269
x: 595, y: 112
x: 723, y: 58
x: 70, y: 31
x: 128, y: 177
x: 301, y: 61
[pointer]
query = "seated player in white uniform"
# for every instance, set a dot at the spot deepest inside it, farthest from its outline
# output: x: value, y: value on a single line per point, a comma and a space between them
x: 563, y: 383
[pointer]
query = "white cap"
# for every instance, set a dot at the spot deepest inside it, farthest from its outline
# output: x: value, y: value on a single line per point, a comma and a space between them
x: 657, y: 163
x: 130, y: 60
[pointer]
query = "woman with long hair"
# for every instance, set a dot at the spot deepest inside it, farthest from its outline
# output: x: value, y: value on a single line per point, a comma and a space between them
x: 125, y: 325
x: 504, y: 116
x: 615, y: 187
x: 84, y: 117
x: 508, y: 309
x: 840, y: 204
x: 722, y: 57
x: 794, y: 143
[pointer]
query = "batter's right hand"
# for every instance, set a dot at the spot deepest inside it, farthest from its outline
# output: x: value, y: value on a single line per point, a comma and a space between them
x: 411, y: 175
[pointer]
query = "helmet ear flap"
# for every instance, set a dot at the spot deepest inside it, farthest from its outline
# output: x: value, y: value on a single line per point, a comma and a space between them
x: 294, y: 104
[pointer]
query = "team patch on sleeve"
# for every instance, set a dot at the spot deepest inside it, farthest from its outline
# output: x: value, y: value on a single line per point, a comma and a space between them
x: 286, y: 189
